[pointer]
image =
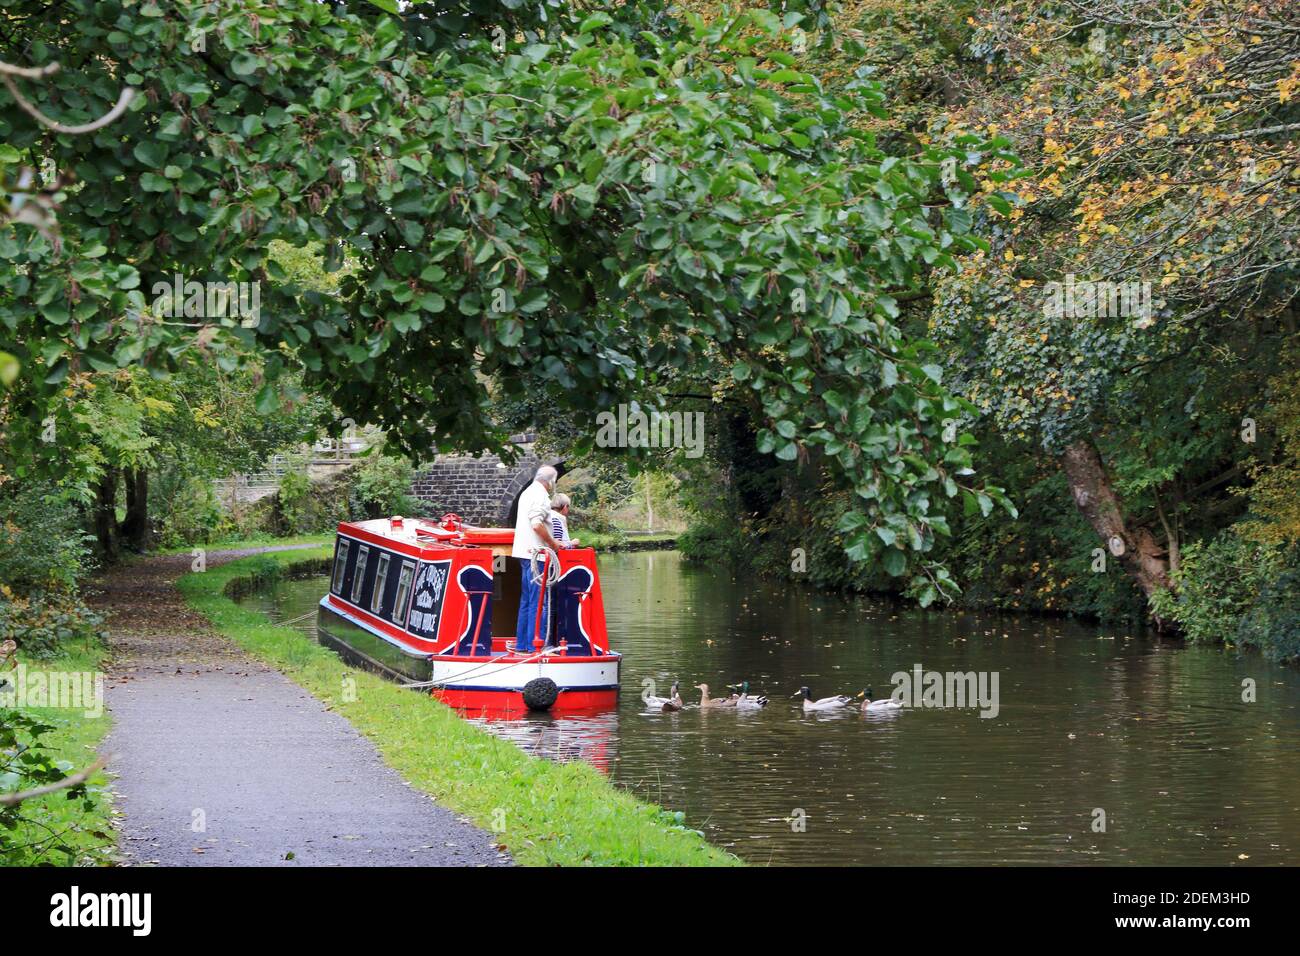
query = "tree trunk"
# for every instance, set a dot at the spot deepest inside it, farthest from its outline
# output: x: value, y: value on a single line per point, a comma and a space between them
x: 106, y: 515
x: 134, y: 528
x: 1090, y: 485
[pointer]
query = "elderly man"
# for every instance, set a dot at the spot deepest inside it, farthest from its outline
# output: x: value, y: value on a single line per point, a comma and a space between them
x: 532, y: 533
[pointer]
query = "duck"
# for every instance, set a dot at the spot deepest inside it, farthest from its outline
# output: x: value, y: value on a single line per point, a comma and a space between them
x: 711, y: 703
x: 670, y: 703
x: 743, y: 700
x: 825, y: 703
x: 884, y: 705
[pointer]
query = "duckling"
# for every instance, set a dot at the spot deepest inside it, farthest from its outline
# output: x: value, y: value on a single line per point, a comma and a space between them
x: 710, y: 703
x: 825, y: 703
x: 669, y: 703
x: 743, y: 700
x: 884, y: 705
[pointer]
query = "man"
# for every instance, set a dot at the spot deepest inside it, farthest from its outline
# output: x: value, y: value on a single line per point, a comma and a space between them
x: 532, y: 533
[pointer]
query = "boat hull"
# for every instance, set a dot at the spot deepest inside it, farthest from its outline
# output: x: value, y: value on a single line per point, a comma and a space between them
x: 363, y: 647
x: 474, y: 683
x: 497, y: 683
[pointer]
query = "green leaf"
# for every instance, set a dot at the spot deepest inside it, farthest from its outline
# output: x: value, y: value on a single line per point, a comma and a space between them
x: 894, y: 562
x: 595, y: 22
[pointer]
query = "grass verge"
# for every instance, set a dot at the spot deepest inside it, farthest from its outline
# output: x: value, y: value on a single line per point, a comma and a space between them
x: 259, y: 540
x: 553, y: 814
x: 54, y: 830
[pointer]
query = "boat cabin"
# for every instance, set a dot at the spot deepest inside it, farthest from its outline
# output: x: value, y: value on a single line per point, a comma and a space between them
x: 406, y: 594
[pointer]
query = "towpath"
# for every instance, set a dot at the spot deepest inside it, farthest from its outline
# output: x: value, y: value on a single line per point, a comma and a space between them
x: 221, y: 760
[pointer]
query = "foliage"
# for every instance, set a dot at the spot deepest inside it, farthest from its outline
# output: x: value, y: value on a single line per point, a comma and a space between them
x: 44, y: 555
x: 42, y: 544
x: 382, y: 487
x: 293, y: 502
x: 26, y: 762
x: 1275, y: 492
x: 613, y: 199
x: 42, y: 623
x: 1220, y: 588
x: 190, y: 511
x: 1273, y: 623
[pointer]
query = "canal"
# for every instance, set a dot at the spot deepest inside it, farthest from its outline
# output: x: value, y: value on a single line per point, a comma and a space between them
x: 1108, y: 746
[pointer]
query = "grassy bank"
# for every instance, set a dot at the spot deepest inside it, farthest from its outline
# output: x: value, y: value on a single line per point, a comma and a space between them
x: 553, y: 814
x: 620, y: 541
x: 259, y: 540
x: 55, y: 830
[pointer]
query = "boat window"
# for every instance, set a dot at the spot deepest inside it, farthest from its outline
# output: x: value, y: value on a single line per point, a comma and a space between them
x: 381, y: 579
x: 403, y: 592
x: 340, y: 565
x: 359, y: 575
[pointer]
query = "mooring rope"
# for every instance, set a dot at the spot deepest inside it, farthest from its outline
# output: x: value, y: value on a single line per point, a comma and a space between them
x: 545, y: 651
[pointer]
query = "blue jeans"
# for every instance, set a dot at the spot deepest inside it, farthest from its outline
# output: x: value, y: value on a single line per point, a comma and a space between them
x: 530, y: 592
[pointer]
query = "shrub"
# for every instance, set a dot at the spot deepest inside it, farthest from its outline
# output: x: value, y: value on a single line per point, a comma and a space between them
x: 41, y: 622
x: 294, y: 502
x: 1235, y: 589
x: 42, y: 543
x: 381, y: 487
x: 1273, y: 623
x: 195, y: 516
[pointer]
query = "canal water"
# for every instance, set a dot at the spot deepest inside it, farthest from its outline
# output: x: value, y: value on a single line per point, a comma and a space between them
x: 1108, y: 746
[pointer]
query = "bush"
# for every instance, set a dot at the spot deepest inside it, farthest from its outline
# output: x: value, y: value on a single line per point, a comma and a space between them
x: 381, y: 485
x: 1273, y: 623
x: 1233, y: 589
x: 195, y: 516
x: 42, y: 622
x: 42, y: 543
x: 294, y: 502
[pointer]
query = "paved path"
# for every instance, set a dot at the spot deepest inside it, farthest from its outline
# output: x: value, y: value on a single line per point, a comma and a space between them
x: 221, y: 760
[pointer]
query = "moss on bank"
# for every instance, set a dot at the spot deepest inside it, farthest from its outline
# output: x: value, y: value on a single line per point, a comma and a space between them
x: 553, y: 814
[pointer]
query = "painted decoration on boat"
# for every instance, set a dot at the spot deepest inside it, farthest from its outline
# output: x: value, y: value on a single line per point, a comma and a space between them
x: 569, y: 590
x: 476, y: 585
x: 430, y: 589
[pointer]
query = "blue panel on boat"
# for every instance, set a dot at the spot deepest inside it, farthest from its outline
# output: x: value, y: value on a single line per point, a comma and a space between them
x: 430, y: 589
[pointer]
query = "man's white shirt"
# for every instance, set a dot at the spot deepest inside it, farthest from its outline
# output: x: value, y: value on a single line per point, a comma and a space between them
x: 534, y: 505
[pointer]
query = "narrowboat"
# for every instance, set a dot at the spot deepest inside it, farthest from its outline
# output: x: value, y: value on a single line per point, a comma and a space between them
x: 434, y: 604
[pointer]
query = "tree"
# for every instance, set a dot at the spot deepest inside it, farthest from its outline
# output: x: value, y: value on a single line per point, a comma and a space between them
x: 1159, y: 148
x: 532, y: 198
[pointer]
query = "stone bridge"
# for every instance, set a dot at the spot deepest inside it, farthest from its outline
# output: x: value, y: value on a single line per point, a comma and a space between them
x: 482, y: 490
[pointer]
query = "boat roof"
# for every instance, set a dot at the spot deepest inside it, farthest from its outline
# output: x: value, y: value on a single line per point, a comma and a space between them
x: 424, y: 534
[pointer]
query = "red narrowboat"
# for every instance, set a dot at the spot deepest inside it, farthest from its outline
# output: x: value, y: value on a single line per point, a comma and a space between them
x: 435, y: 604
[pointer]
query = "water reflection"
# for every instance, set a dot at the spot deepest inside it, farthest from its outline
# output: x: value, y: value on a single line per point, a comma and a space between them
x: 561, y: 739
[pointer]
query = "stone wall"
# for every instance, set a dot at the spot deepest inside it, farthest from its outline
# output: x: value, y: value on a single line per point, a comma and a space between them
x: 482, y: 490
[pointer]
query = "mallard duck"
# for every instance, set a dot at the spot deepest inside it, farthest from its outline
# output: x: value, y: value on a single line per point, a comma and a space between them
x: 743, y: 700
x: 825, y: 703
x: 884, y: 705
x: 711, y: 703
x: 672, y: 702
